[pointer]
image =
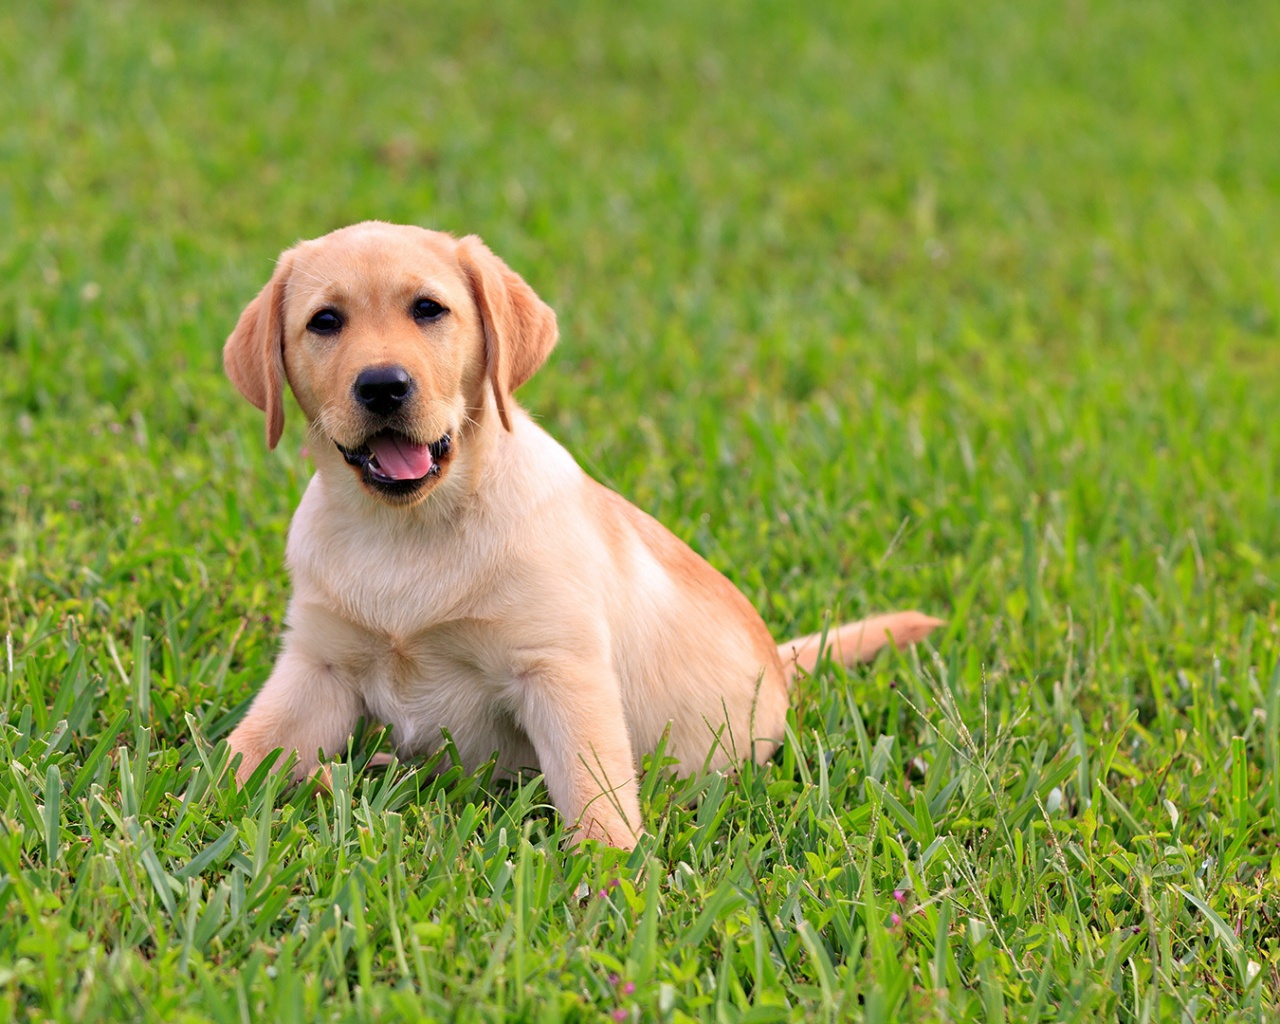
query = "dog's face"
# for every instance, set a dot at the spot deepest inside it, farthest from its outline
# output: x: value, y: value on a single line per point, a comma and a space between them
x: 389, y: 337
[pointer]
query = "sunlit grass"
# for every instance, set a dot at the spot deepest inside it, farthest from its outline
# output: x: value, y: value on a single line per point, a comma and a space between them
x: 972, y: 309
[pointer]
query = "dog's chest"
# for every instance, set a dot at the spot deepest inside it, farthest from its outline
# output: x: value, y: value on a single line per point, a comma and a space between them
x: 400, y: 601
x: 450, y: 678
x: 383, y: 578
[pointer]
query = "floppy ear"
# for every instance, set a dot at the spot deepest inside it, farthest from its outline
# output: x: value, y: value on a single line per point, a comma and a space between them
x: 254, y: 354
x: 519, y: 328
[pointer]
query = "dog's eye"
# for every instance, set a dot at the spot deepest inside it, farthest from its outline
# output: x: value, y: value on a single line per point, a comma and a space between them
x: 427, y: 309
x: 327, y: 321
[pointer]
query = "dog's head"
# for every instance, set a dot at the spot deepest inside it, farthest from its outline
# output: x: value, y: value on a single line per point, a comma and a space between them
x: 390, y: 337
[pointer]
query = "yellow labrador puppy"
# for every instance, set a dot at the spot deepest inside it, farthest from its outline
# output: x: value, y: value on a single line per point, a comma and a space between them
x: 454, y: 569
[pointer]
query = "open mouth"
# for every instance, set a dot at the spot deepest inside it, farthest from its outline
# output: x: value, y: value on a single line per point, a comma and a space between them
x: 395, y: 465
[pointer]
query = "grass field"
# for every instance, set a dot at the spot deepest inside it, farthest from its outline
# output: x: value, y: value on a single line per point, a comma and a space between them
x: 971, y: 308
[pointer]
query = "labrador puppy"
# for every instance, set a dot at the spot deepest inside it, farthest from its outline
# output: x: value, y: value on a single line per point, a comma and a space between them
x: 454, y: 569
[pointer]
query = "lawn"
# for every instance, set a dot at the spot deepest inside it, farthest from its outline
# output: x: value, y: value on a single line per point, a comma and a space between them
x: 971, y: 308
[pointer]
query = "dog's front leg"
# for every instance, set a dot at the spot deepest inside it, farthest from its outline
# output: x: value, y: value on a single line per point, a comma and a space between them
x: 575, y: 720
x: 303, y: 706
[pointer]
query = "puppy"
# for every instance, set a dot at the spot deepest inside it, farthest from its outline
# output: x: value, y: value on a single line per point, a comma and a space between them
x: 454, y: 569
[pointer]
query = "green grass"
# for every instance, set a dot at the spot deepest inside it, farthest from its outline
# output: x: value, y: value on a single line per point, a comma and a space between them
x: 970, y: 308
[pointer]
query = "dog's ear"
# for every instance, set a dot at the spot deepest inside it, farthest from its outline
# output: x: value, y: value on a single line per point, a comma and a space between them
x: 254, y: 353
x: 519, y: 328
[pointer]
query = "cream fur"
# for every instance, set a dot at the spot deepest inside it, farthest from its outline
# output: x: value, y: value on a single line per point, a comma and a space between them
x: 514, y: 602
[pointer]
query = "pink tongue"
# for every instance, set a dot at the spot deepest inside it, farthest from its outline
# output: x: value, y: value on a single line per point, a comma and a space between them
x: 400, y: 459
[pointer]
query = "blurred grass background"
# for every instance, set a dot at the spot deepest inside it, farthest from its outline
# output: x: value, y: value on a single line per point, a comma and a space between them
x: 971, y: 308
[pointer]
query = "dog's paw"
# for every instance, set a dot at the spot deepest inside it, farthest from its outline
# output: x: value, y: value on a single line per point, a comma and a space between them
x: 612, y: 830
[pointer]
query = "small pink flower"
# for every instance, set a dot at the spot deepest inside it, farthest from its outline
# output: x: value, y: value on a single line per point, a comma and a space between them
x: 620, y: 1014
x: 900, y: 895
x: 609, y: 886
x: 628, y: 988
x: 895, y: 920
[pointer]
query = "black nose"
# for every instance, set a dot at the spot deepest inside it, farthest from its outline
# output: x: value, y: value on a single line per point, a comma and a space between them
x: 383, y: 389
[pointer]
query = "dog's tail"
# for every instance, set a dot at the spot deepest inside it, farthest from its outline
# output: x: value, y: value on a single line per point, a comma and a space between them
x: 856, y: 641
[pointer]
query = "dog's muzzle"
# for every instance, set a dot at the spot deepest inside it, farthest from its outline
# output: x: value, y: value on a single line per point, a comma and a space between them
x: 392, y: 463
